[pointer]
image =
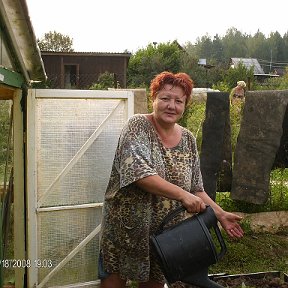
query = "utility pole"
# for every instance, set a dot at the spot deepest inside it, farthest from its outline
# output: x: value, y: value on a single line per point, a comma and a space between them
x: 270, y: 60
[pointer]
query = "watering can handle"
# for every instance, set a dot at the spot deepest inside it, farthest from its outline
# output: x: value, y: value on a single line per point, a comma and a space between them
x: 223, y: 247
x: 170, y: 216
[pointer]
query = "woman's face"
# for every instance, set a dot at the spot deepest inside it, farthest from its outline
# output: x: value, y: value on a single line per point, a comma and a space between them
x: 169, y: 104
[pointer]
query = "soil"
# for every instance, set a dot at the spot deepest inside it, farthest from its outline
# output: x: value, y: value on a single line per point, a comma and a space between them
x: 249, y: 282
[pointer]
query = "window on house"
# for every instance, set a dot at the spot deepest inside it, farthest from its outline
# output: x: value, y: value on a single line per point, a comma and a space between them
x: 71, y: 76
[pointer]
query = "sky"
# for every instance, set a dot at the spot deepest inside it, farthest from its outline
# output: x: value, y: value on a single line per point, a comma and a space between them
x: 116, y: 26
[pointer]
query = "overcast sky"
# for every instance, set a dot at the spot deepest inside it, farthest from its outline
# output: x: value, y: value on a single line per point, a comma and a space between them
x: 115, y: 25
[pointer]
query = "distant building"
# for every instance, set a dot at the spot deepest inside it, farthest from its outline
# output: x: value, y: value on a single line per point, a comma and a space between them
x: 252, y: 62
x: 79, y: 70
x: 248, y: 63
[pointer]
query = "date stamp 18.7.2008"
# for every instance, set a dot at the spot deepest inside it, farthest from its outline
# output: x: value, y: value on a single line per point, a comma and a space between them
x: 26, y: 263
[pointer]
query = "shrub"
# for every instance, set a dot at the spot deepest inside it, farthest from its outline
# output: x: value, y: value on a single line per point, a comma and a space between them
x: 193, y: 118
x: 4, y: 132
x: 105, y: 80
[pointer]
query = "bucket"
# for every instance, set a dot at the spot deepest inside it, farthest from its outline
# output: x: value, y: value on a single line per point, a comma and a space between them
x: 187, y: 249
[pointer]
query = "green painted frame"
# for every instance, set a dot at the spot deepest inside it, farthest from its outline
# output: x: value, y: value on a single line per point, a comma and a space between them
x: 11, y: 78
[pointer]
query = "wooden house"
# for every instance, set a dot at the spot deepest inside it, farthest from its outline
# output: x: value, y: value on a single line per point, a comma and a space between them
x: 79, y: 70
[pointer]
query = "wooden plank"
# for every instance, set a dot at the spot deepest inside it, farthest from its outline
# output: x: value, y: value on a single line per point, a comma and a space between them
x: 19, y: 204
x: 69, y: 207
x: 31, y: 183
x: 6, y: 93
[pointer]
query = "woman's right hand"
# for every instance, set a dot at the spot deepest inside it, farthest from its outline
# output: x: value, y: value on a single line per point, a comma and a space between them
x: 192, y: 203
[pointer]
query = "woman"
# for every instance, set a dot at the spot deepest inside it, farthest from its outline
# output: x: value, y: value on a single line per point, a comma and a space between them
x: 155, y: 170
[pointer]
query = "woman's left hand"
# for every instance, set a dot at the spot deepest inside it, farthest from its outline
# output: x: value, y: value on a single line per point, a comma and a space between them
x: 230, y: 223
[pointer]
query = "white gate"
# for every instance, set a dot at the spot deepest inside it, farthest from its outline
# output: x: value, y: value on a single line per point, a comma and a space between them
x: 71, y: 139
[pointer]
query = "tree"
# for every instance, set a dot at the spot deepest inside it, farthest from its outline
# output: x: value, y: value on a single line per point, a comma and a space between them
x: 277, y: 46
x: 56, y: 42
x: 205, y: 47
x: 258, y: 46
x: 234, y: 43
x: 232, y: 75
x: 148, y: 62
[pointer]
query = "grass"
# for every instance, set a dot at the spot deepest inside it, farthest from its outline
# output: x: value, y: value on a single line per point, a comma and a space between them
x: 254, y: 253
x: 257, y: 252
x: 278, y: 198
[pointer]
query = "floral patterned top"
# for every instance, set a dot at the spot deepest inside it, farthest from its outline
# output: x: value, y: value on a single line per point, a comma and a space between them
x: 131, y: 215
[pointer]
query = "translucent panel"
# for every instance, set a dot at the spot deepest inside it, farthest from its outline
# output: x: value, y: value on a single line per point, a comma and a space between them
x: 56, y: 239
x: 63, y: 127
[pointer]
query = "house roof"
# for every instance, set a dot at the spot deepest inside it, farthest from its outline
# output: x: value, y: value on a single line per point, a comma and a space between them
x: 248, y: 63
x: 15, y: 20
x: 73, y: 53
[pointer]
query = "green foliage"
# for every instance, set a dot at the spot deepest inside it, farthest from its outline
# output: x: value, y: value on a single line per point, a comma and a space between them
x: 232, y: 75
x: 56, y: 42
x: 236, y: 113
x: 1, y: 245
x: 235, y: 43
x: 275, y: 83
x: 279, y: 189
x: 5, y: 157
x: 7, y: 275
x: 4, y: 132
x: 189, y: 65
x: 193, y: 119
x: 278, y: 199
x: 221, y: 86
x: 105, y: 80
x: 270, y: 51
x: 148, y: 62
x: 253, y: 253
x: 219, y: 49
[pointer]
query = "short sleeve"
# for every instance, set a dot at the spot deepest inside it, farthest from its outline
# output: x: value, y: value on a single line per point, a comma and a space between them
x: 196, y: 179
x: 197, y: 182
x: 133, y: 158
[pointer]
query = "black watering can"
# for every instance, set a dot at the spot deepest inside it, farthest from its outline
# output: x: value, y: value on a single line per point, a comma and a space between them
x: 186, y: 250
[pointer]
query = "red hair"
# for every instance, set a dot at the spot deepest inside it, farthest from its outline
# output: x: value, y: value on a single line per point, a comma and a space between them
x: 181, y: 80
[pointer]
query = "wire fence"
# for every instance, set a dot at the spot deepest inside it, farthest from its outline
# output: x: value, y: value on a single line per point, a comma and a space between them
x: 80, y: 81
